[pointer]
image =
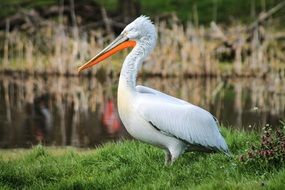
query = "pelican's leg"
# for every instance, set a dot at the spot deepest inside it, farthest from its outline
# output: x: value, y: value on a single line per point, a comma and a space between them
x: 174, y: 157
x: 171, y: 156
x: 167, y: 161
x: 176, y: 150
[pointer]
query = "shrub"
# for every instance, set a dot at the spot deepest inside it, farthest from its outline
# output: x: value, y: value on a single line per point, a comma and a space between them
x: 270, y: 153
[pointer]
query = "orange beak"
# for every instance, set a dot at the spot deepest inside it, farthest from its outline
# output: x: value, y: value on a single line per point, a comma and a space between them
x: 120, y: 43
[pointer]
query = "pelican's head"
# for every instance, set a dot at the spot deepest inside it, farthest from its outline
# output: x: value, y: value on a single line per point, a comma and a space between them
x: 140, y: 31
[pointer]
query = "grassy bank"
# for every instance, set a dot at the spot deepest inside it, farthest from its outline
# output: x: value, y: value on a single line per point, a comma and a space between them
x: 129, y: 164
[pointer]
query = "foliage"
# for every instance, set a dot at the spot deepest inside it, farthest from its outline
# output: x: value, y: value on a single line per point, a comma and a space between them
x: 132, y: 164
x: 270, y: 153
x: 222, y: 11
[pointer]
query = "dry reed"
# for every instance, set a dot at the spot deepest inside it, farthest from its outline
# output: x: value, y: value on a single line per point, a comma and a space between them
x: 54, y: 47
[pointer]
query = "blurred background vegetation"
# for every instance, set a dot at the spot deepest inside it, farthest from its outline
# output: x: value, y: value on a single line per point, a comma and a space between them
x: 217, y: 37
x: 220, y: 11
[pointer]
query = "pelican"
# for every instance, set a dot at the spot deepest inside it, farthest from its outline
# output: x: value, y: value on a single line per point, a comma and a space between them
x: 151, y: 116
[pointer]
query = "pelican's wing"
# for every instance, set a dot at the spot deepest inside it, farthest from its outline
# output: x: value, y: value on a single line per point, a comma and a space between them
x: 180, y: 119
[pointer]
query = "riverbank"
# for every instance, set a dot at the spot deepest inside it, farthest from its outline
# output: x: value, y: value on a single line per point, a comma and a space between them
x: 131, y: 164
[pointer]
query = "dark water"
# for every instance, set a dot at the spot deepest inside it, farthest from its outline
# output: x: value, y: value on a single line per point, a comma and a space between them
x: 82, y: 112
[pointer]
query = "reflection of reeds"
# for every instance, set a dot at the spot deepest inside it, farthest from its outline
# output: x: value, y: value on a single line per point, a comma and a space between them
x: 7, y: 101
x: 54, y: 47
x: 76, y: 103
x: 71, y: 102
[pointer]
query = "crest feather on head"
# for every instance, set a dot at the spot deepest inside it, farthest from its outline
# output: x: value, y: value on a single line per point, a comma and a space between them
x: 143, y: 20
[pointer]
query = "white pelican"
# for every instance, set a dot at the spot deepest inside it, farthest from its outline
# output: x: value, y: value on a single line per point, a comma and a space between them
x: 152, y: 116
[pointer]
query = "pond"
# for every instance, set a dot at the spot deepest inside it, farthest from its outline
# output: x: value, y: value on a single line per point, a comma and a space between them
x: 82, y: 111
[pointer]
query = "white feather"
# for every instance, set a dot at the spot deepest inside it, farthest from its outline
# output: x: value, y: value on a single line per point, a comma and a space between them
x: 179, y: 118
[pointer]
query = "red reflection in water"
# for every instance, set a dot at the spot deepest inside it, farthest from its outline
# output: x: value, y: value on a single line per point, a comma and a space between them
x: 110, y: 118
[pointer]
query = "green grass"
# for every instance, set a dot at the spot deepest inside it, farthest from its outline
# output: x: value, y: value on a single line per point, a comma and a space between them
x: 132, y: 164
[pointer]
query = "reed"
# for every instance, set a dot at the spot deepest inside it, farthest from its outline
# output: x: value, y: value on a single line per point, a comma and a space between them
x: 55, y: 47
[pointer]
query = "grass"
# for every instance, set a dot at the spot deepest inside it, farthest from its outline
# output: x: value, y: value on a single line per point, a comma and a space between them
x: 131, y: 164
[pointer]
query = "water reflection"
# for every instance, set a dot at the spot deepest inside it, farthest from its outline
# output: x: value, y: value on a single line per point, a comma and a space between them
x: 82, y: 111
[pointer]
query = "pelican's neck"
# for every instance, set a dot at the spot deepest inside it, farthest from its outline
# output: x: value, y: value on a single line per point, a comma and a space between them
x: 131, y: 66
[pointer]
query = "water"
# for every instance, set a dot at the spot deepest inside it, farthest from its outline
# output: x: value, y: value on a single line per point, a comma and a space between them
x: 82, y: 112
